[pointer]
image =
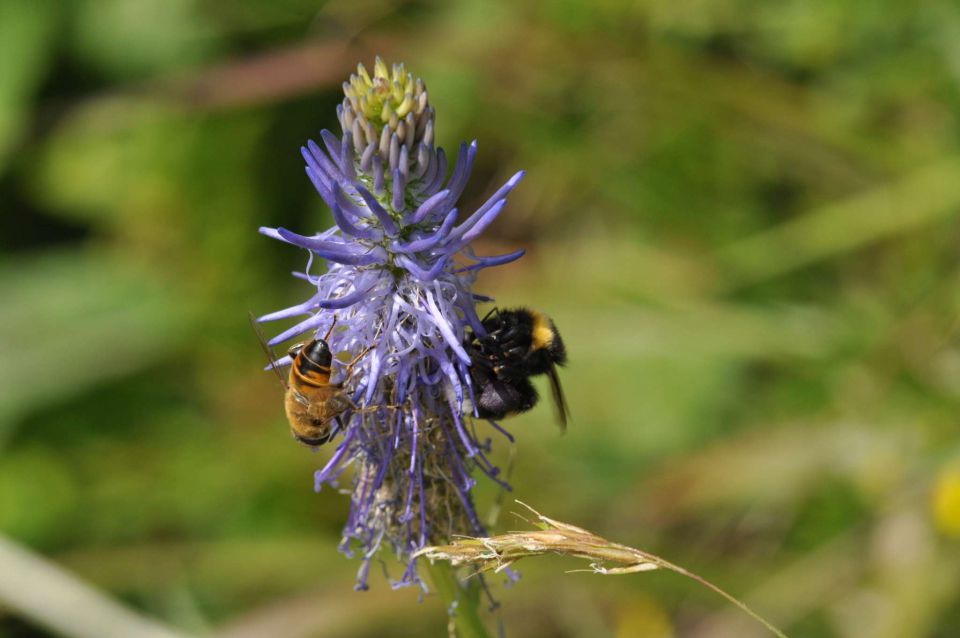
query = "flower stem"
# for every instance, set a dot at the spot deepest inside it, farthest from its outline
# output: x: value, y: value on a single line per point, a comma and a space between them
x: 461, y: 601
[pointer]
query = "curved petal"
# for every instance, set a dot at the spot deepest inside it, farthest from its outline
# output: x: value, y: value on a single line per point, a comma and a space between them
x: 307, y: 324
x: 292, y: 311
x: 429, y: 205
x: 417, y: 271
x: 363, y: 232
x: 487, y: 205
x: 346, y: 300
x: 478, y: 227
x: 328, y: 168
x: 389, y: 226
x: 319, y: 184
x: 334, y: 251
x: 439, y: 173
x: 495, y: 260
x: 429, y: 241
x: 444, y: 326
x: 399, y: 190
x: 461, y: 172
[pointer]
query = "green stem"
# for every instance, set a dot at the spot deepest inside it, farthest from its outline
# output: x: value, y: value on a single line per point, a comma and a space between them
x: 461, y: 600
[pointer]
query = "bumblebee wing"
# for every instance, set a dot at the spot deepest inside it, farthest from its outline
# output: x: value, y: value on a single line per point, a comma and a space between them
x: 559, y: 401
x: 268, y: 351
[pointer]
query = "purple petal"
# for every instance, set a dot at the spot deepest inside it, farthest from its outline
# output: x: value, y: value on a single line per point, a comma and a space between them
x: 399, y: 184
x: 307, y: 324
x: 462, y: 477
x: 429, y: 205
x: 470, y: 312
x: 423, y: 161
x: 461, y: 173
x: 334, y: 251
x: 487, y: 205
x: 431, y: 240
x: 444, y: 327
x: 321, y: 187
x: 454, y: 381
x: 292, y: 311
x: 378, y: 183
x: 282, y: 362
x: 497, y: 427
x: 429, y: 172
x: 373, y: 376
x: 491, y: 471
x: 363, y: 232
x: 348, y: 202
x: 270, y: 232
x: 321, y: 475
x: 389, y: 226
x: 357, y: 131
x: 495, y: 260
x: 361, y: 290
x: 394, y: 155
x: 428, y: 133
x: 328, y: 169
x: 478, y: 227
x: 312, y: 162
x: 346, y: 300
x: 334, y: 146
x: 311, y: 243
x: 346, y: 157
x: 437, y: 176
x: 404, y: 166
x: 417, y: 271
x: 305, y: 276
x: 366, y: 159
x: 274, y: 233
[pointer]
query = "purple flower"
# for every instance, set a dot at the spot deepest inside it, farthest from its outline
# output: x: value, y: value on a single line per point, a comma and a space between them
x: 398, y: 288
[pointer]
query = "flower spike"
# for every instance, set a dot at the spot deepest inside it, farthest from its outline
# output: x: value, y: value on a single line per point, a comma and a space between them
x: 398, y: 289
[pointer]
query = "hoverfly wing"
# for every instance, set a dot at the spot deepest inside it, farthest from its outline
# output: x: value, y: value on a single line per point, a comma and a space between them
x: 268, y: 351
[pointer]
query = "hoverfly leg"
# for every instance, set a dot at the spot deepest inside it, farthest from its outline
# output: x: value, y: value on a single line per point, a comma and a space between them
x: 330, y: 331
x: 357, y: 358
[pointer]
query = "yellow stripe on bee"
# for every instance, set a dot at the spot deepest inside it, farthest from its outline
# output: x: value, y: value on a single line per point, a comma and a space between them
x: 542, y: 332
x: 317, y: 379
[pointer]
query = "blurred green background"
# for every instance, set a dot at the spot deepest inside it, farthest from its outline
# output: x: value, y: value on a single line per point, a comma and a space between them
x: 744, y: 217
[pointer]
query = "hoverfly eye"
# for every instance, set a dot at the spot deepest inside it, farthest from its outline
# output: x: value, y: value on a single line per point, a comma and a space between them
x: 294, y: 350
x: 319, y: 352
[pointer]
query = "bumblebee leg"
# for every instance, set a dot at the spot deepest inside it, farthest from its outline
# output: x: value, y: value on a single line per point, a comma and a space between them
x: 517, y: 351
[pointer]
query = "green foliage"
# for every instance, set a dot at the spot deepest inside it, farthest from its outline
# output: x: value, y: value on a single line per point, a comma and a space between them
x: 743, y: 217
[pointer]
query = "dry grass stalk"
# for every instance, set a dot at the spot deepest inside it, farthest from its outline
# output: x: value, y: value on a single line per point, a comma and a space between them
x: 555, y: 537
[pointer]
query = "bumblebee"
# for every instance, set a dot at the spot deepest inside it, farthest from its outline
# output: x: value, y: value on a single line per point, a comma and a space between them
x: 520, y: 343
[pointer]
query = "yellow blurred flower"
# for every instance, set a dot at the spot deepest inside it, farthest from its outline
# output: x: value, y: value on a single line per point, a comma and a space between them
x: 643, y: 617
x: 946, y: 501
